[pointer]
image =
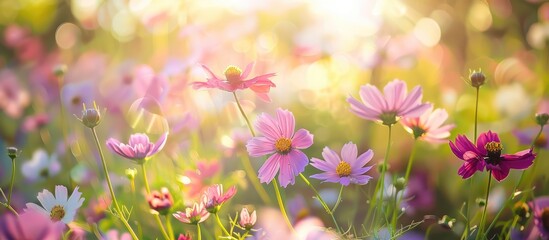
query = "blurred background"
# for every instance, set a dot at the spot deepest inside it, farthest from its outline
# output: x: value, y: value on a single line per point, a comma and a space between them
x: 57, y: 55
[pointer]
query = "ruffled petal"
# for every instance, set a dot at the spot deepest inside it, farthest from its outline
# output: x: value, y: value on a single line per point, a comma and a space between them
x: 302, y: 139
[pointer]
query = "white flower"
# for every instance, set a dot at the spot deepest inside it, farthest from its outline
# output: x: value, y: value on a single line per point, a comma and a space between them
x: 58, y: 207
x: 41, y: 166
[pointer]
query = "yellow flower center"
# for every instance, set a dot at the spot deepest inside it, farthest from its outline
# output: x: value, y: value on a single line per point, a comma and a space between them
x: 283, y: 145
x: 232, y: 73
x: 343, y: 169
x: 57, y: 213
x: 493, y: 147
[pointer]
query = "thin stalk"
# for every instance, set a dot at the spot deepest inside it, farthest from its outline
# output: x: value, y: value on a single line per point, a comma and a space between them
x: 381, y: 181
x: 106, y: 172
x: 322, y: 202
x: 483, y: 218
x: 10, y: 208
x: 156, y: 216
x: 253, y: 178
x: 12, y: 180
x: 198, y: 233
x: 395, y: 210
x: 221, y: 225
x: 244, y: 114
x: 467, y: 222
x: 476, y: 114
x: 281, y: 205
x: 406, y: 177
x: 338, y: 199
x: 515, y: 219
x: 169, y: 226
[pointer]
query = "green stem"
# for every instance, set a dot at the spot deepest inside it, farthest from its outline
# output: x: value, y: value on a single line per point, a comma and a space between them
x: 244, y: 114
x: 483, y: 218
x: 169, y: 226
x: 156, y: 216
x: 476, y: 114
x: 281, y: 205
x: 338, y: 199
x: 410, y: 162
x: 468, y: 223
x: 10, y: 208
x: 253, y: 178
x: 106, y: 172
x: 322, y: 202
x: 395, y: 210
x: 381, y: 181
x: 515, y: 219
x: 221, y: 225
x: 198, y: 233
x: 12, y: 180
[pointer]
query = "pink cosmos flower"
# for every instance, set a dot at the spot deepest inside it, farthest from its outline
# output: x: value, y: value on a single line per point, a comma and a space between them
x: 487, y: 153
x: 428, y: 126
x: 247, y: 221
x: 31, y: 224
x: 139, y: 148
x: 187, y: 236
x: 160, y: 201
x: 197, y: 180
x: 13, y: 98
x: 194, y: 215
x: 235, y: 79
x: 390, y: 108
x: 213, y: 197
x: 345, y: 170
x: 279, y: 138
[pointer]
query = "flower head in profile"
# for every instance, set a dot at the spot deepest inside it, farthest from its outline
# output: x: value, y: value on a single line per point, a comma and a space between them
x: 247, y: 221
x: 236, y: 79
x: 280, y: 140
x: 59, y: 207
x: 160, y: 201
x: 487, y: 153
x: 139, y: 147
x: 387, y: 109
x: 187, y: 236
x: 41, y: 166
x: 429, y: 126
x: 193, y: 215
x: 213, y: 197
x: 345, y: 170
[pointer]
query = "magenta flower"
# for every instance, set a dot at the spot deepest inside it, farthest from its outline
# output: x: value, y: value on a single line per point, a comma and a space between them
x: 160, y: 201
x: 429, y: 126
x: 390, y: 108
x: 247, y: 221
x: 235, y: 79
x: 213, y: 197
x: 487, y: 153
x: 540, y: 210
x: 139, y: 147
x: 279, y: 138
x: 194, y: 215
x: 345, y: 170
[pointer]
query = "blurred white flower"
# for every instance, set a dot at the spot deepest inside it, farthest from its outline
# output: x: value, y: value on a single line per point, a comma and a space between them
x: 41, y: 166
x: 59, y: 207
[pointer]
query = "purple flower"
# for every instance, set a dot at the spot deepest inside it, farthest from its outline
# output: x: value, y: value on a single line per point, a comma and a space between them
x: 540, y: 210
x: 279, y: 138
x: 31, y: 224
x: 345, y: 170
x: 487, y: 153
x: 139, y: 148
x: 526, y: 137
x: 390, y: 107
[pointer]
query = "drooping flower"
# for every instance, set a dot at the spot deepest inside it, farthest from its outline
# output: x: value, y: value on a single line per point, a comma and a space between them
x: 213, y: 197
x: 345, y: 170
x: 31, y: 224
x: 194, y: 215
x: 58, y: 207
x: 526, y: 137
x: 41, y: 166
x: 487, y: 153
x: 429, y: 126
x: 279, y: 138
x: 247, y: 221
x: 139, y: 147
x: 387, y: 109
x: 160, y: 201
x: 235, y: 79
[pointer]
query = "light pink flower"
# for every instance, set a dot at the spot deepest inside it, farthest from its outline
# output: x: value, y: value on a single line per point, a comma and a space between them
x: 197, y: 180
x: 213, y: 197
x: 429, y: 126
x: 235, y: 79
x: 160, y: 201
x: 194, y: 215
x: 279, y: 138
x: 390, y: 107
x: 31, y: 224
x: 247, y: 221
x: 13, y: 98
x: 139, y: 147
x: 345, y: 170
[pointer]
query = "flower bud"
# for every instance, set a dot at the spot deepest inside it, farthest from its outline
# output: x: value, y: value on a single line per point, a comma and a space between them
x: 542, y: 118
x: 13, y: 152
x: 477, y: 79
x: 447, y: 222
x: 91, y: 117
x: 60, y: 70
x: 130, y: 173
x: 187, y: 236
x: 160, y: 201
x: 247, y: 221
x: 400, y: 183
x: 481, y: 202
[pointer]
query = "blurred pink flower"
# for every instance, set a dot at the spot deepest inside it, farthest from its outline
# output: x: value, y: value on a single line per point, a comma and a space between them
x: 236, y: 141
x: 41, y: 166
x: 429, y: 126
x: 139, y: 147
x: 187, y: 236
x: 235, y: 79
x: 74, y: 95
x: 345, y: 170
x: 194, y: 215
x: 97, y: 209
x: 30, y: 224
x: 29, y: 49
x: 527, y: 136
x: 32, y: 123
x: 247, y: 221
x: 274, y: 227
x: 213, y: 197
x: 198, y: 178
x: 13, y: 98
x: 115, y: 235
x: 388, y: 109
x: 160, y: 201
x: 59, y: 207
x: 279, y: 138
x: 14, y: 35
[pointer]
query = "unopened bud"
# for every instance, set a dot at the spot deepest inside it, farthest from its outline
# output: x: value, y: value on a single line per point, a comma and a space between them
x: 447, y: 222
x: 481, y: 202
x: 542, y: 118
x: 400, y: 183
x: 130, y: 173
x: 477, y: 79
x: 13, y: 152
x: 60, y: 70
x: 91, y: 117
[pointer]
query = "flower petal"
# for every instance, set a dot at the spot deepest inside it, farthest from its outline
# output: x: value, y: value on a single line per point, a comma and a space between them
x: 349, y: 153
x: 159, y: 144
x: 269, y: 169
x: 286, y: 122
x: 372, y: 98
x: 268, y: 127
x: 302, y: 139
x: 395, y: 93
x: 259, y: 146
